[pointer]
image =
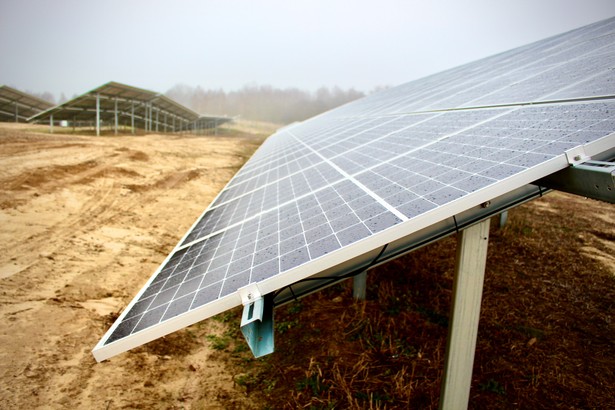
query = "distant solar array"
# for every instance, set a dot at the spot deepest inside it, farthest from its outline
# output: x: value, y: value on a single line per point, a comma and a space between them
x: 119, y: 104
x: 323, y: 199
x: 18, y: 106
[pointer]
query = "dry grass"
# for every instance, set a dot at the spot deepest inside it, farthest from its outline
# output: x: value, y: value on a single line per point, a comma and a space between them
x: 545, y: 337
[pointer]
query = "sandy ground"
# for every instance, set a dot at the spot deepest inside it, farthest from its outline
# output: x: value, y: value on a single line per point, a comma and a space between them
x: 84, y: 222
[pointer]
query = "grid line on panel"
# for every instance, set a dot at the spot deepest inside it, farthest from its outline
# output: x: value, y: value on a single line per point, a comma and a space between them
x: 363, y: 187
x: 368, y: 131
x: 427, y: 144
x: 266, y: 184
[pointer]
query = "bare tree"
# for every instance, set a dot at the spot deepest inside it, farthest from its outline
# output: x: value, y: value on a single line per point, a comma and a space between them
x: 264, y: 102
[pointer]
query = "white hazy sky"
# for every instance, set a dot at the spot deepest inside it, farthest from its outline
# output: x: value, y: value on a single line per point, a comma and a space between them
x: 72, y: 46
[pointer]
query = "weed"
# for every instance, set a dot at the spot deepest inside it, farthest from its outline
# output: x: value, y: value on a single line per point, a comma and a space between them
x: 283, y: 327
x: 313, y: 383
x: 493, y: 386
x: 218, y: 342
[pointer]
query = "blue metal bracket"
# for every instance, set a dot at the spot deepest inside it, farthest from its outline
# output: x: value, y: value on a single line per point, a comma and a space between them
x: 257, y: 320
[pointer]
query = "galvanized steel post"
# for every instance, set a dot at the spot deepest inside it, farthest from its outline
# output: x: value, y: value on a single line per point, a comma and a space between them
x: 465, y: 313
x: 97, y: 115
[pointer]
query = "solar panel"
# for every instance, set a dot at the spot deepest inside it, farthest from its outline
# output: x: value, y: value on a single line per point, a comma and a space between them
x: 370, y: 180
x: 17, y: 106
x: 142, y: 108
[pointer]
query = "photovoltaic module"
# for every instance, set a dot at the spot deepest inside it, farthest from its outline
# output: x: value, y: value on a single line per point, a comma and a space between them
x: 375, y: 178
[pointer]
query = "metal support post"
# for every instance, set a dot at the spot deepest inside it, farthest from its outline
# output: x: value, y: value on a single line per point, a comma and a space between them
x: 149, y: 117
x: 115, y: 113
x: 465, y: 313
x: 157, y: 115
x: 503, y: 219
x: 16, y: 112
x: 145, y: 117
x: 132, y: 117
x: 98, y: 115
x: 51, y: 124
x: 359, y: 286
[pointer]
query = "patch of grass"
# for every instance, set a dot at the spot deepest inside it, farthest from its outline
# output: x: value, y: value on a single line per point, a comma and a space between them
x: 218, y: 342
x: 312, y: 383
x: 284, y: 326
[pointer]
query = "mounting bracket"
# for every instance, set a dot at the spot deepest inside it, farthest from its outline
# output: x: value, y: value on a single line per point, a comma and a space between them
x: 593, y: 179
x: 257, y: 320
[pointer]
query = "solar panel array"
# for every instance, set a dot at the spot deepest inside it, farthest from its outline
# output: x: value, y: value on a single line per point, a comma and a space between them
x: 127, y: 102
x: 18, y: 106
x: 326, y: 194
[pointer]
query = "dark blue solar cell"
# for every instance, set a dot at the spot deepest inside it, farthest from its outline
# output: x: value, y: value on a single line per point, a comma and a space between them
x: 501, y: 171
x: 232, y: 283
x: 150, y: 318
x: 213, y: 276
x: 140, y: 307
x: 292, y: 243
x: 240, y: 265
x: 294, y: 258
x: 317, y: 233
x: 189, y: 286
x: 152, y: 289
x: 243, y: 251
x: 314, y: 222
x: 323, y: 246
x: 290, y: 231
x: 416, y: 207
x: 175, y: 280
x: 206, y: 295
x: 265, y: 254
x: 445, y: 195
x: 164, y: 297
x: 344, y: 221
x: 382, y: 222
x: 178, y: 306
x: 529, y: 159
x: 123, y: 329
x: 267, y: 241
x: 353, y: 234
x: 265, y: 270
x: 474, y: 183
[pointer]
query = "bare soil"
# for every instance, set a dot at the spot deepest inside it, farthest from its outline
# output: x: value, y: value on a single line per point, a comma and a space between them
x: 85, y: 221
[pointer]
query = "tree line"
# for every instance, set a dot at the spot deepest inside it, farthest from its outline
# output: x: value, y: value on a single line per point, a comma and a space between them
x: 262, y: 102
x: 252, y: 102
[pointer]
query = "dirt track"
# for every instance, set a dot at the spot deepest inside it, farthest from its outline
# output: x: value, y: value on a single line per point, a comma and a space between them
x: 84, y: 222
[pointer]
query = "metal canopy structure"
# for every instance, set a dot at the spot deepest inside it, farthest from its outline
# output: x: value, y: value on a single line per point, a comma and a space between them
x: 17, y: 106
x: 327, y: 199
x: 117, y: 104
x: 206, y: 122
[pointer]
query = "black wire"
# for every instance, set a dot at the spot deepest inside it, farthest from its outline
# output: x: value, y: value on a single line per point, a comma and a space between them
x: 332, y: 279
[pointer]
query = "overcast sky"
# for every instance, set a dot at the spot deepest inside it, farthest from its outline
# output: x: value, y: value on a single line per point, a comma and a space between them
x: 73, y: 46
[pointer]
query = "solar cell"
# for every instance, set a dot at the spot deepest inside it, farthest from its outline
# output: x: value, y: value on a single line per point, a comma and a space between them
x: 374, y: 178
